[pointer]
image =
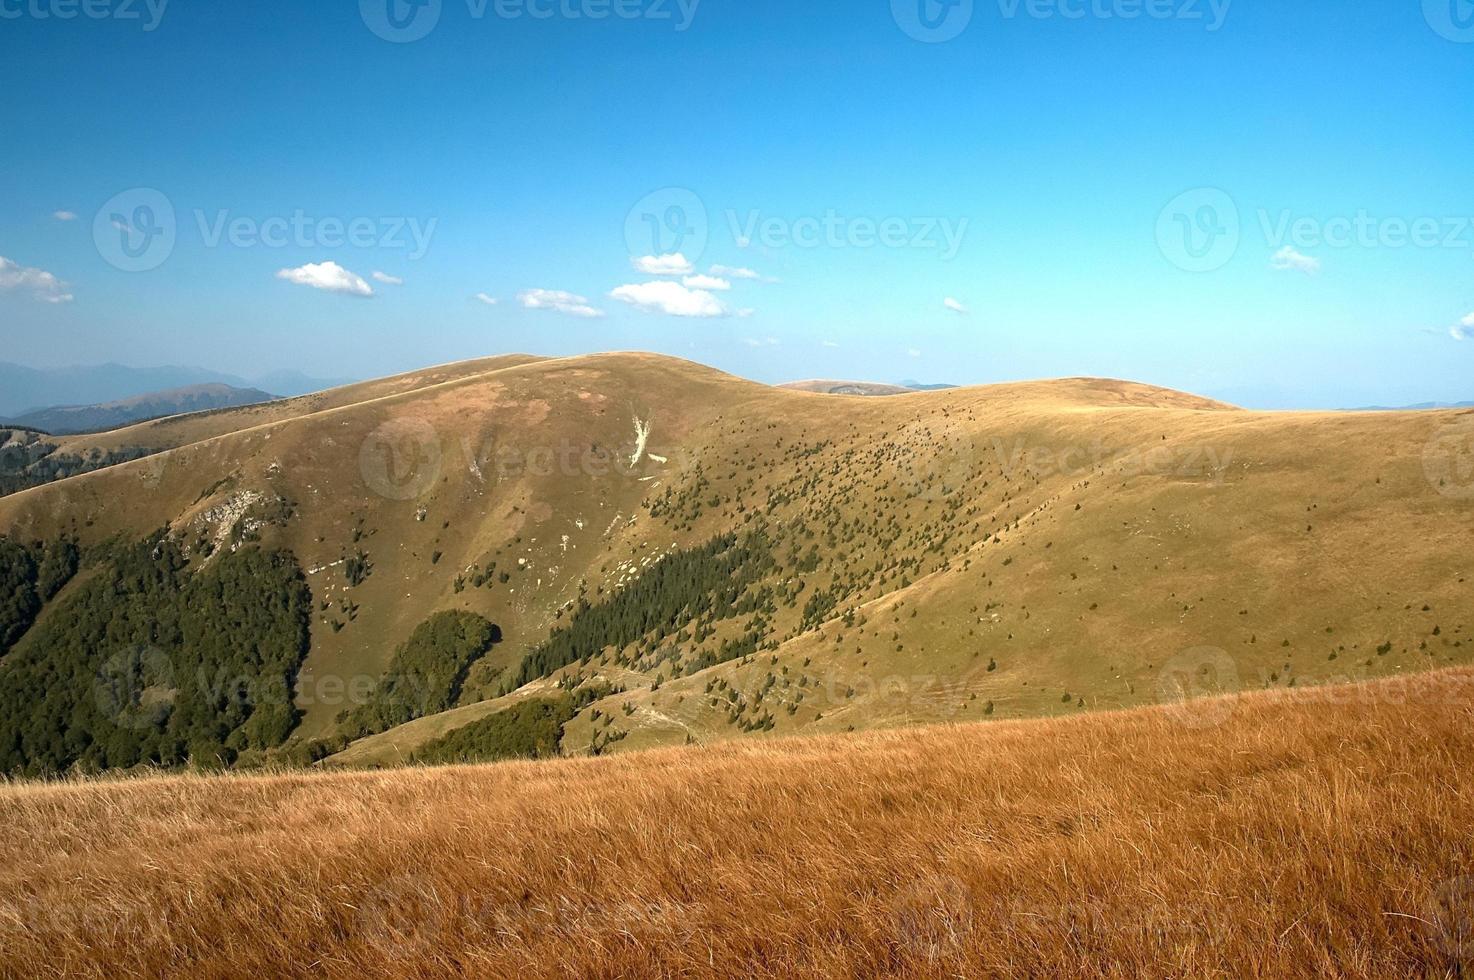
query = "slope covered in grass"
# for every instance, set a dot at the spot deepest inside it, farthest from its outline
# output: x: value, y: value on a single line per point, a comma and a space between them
x: 1010, y: 551
x: 1319, y: 832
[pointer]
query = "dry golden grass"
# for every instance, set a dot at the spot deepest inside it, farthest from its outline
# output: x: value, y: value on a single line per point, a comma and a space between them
x: 1316, y: 832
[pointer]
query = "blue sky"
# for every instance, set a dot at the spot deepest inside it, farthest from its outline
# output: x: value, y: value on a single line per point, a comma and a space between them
x: 1068, y: 173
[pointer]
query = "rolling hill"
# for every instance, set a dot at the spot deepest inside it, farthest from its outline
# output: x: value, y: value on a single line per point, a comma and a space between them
x: 646, y: 552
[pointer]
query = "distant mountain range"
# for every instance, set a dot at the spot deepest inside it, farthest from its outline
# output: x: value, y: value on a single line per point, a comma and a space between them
x: 1421, y: 406
x: 68, y: 419
x: 872, y: 388
x: 25, y: 390
x: 918, y: 386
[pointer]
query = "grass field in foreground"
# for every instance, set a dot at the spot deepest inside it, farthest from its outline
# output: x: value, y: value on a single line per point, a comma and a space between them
x: 1314, y: 832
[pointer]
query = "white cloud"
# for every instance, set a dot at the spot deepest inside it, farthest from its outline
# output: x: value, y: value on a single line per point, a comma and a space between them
x: 699, y: 281
x: 954, y: 306
x: 558, y: 301
x: 674, y: 264
x: 64, y: 215
x: 670, y: 298
x: 739, y: 272
x: 912, y: 352
x: 1463, y: 330
x: 387, y: 279
x: 830, y: 343
x: 1287, y: 259
x: 763, y: 342
x: 41, y: 284
x: 489, y: 300
x: 328, y: 276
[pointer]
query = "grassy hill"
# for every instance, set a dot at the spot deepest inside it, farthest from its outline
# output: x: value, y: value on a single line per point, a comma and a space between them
x: 681, y: 555
x: 1303, y: 833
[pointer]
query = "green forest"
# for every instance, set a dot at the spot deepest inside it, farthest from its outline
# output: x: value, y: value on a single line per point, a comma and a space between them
x: 426, y: 673
x: 703, y: 583
x: 147, y: 661
x: 530, y: 729
x: 30, y: 575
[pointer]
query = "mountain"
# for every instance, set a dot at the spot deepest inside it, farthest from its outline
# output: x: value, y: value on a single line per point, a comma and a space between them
x: 288, y: 383
x: 68, y: 419
x: 869, y: 388
x: 587, y: 555
x: 918, y: 386
x: 1420, y: 407
x: 25, y: 389
x: 861, y: 387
